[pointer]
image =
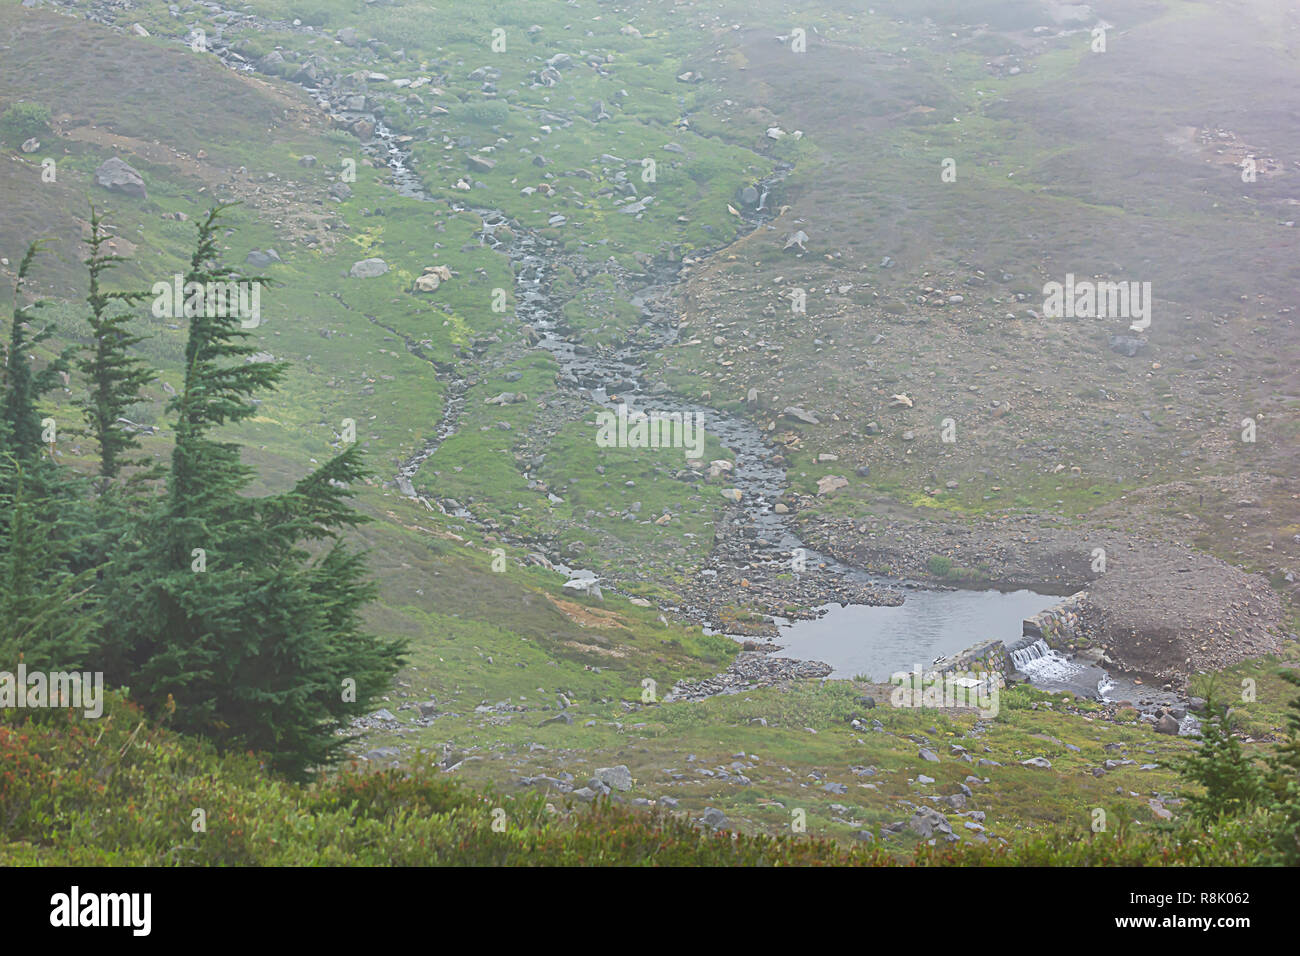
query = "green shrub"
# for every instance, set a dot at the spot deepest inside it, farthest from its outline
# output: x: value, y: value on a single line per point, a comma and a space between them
x: 939, y: 565
x: 22, y: 121
x: 124, y: 790
x: 485, y: 113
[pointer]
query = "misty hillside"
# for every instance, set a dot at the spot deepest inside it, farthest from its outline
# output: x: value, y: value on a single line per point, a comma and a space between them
x: 635, y: 402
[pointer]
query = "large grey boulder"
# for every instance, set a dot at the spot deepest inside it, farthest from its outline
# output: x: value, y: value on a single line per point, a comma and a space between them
x: 799, y: 415
x: 116, y: 176
x: 926, y: 822
x: 616, y: 778
x: 368, y: 268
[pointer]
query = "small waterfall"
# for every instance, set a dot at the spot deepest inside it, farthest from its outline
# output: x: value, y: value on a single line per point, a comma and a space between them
x: 1042, y: 664
x: 1033, y: 652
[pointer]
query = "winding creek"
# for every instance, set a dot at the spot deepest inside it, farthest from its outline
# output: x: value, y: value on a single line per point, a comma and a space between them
x: 882, y: 635
x: 864, y: 624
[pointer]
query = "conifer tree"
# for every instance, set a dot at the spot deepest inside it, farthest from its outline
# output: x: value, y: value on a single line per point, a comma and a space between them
x: 113, y: 375
x: 45, y: 603
x: 46, y: 612
x: 245, y: 610
x: 1283, y: 785
x: 1232, y: 783
x: 20, y: 423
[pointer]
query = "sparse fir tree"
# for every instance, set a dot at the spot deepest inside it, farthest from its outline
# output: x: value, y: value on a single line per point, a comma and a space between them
x: 113, y: 375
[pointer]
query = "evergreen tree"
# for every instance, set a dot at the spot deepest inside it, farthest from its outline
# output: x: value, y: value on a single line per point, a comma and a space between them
x: 46, y: 612
x: 44, y: 600
x: 1283, y: 785
x: 20, y: 423
x: 114, y: 377
x: 245, y: 610
x: 1232, y: 783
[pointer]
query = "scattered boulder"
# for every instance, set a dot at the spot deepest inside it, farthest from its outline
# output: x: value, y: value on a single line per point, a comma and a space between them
x: 368, y: 268
x: 927, y: 821
x: 615, y: 778
x: 714, y: 819
x: 1127, y: 345
x: 830, y: 483
x: 260, y: 258
x: 271, y: 63
x: 116, y: 176
x: 799, y: 415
